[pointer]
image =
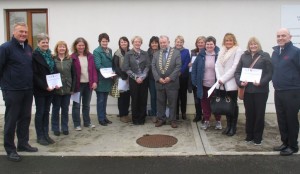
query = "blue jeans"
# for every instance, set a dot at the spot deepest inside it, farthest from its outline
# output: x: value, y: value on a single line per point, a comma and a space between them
x: 42, y: 115
x: 63, y: 102
x: 85, y: 96
x: 101, y: 105
x: 152, y: 91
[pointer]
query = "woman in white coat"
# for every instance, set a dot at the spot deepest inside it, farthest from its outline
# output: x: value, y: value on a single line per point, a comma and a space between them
x: 226, y: 64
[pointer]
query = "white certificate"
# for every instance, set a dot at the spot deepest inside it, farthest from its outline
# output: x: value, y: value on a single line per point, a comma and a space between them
x: 193, y: 59
x: 76, y: 97
x: 123, y: 85
x: 211, y: 90
x: 107, y: 72
x: 54, y: 80
x: 251, y: 75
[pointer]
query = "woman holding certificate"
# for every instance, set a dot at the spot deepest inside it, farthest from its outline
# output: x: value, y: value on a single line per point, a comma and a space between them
x: 229, y: 57
x: 136, y: 65
x: 86, y: 82
x: 118, y: 60
x: 256, y: 92
x: 61, y: 98
x: 43, y: 65
x: 103, y: 59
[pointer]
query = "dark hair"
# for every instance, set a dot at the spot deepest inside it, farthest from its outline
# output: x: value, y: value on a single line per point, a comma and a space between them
x: 80, y: 39
x: 103, y: 36
x: 125, y: 39
x: 154, y: 39
x: 211, y: 39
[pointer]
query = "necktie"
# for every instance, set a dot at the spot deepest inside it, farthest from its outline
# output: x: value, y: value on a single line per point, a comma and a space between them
x: 165, y: 56
x: 280, y: 52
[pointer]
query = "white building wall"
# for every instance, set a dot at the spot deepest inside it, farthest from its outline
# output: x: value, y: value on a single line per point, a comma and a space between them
x: 69, y: 19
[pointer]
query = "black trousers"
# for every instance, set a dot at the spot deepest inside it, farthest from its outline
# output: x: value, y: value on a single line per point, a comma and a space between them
x: 123, y: 103
x: 182, y: 94
x: 197, y: 102
x: 139, y: 94
x: 255, y: 107
x: 17, y: 117
x: 287, y: 104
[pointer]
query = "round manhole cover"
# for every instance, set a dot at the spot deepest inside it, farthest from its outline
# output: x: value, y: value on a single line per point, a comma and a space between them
x: 156, y: 141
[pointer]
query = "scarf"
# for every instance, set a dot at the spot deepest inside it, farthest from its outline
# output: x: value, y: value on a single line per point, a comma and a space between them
x: 226, y: 54
x: 121, y: 57
x: 48, y: 58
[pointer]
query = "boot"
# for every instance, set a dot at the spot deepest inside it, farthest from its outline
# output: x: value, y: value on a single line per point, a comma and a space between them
x: 228, y: 126
x: 232, y: 131
x: 197, y: 118
x: 183, y: 116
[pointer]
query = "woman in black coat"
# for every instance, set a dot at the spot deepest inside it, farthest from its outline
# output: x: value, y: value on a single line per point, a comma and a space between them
x: 256, y: 93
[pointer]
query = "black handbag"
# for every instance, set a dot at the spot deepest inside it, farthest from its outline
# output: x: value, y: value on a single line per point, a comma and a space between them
x: 222, y: 104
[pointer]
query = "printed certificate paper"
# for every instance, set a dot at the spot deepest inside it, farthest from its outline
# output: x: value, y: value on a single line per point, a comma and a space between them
x: 251, y: 75
x: 193, y: 59
x: 107, y: 72
x: 54, y: 80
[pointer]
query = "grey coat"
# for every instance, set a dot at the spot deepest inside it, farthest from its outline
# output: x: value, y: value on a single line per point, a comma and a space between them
x: 172, y: 71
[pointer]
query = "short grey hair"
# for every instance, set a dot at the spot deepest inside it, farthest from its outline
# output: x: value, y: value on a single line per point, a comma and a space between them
x: 23, y: 24
x: 41, y: 36
x: 164, y: 36
x: 137, y: 37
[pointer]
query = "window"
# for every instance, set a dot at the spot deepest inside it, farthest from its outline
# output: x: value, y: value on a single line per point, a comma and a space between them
x: 36, y: 19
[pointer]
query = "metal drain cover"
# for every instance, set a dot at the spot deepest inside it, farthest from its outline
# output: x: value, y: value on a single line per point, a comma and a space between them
x: 156, y: 141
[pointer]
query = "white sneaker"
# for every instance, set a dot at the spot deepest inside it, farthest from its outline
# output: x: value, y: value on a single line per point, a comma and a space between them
x: 78, y: 128
x: 218, y: 125
x: 91, y: 126
x: 205, y: 125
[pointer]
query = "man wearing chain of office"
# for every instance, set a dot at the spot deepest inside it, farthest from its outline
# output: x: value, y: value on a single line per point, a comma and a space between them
x: 166, y: 65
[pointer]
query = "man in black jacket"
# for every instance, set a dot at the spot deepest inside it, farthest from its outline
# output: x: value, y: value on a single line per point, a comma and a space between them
x: 16, y: 78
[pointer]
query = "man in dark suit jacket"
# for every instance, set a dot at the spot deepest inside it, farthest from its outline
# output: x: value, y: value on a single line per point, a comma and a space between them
x: 166, y: 65
x: 16, y: 85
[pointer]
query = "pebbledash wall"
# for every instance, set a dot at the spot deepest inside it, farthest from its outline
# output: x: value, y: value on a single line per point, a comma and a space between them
x: 69, y: 19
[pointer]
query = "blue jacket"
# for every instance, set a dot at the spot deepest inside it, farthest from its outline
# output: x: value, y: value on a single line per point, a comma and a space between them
x: 286, y: 67
x: 185, y: 60
x: 198, y: 70
x: 16, y: 66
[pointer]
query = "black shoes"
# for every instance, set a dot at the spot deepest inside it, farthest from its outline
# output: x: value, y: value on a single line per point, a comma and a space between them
x: 288, y: 151
x: 103, y: 123
x: 280, y: 148
x: 184, y: 116
x: 13, y: 156
x: 66, y: 132
x: 107, y: 121
x: 42, y: 141
x: 50, y: 140
x: 197, y: 118
x: 27, y: 148
x: 56, y: 133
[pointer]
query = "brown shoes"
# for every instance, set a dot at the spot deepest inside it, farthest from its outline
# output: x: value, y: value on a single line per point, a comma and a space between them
x: 124, y: 119
x: 159, y: 123
x: 173, y: 124
x: 154, y: 119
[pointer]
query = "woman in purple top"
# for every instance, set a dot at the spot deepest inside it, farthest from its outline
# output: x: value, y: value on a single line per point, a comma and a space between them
x: 183, y: 77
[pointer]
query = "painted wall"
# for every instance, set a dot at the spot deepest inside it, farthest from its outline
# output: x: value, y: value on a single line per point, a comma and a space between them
x: 68, y: 20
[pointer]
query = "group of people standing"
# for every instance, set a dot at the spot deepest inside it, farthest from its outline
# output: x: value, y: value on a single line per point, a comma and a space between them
x: 167, y: 72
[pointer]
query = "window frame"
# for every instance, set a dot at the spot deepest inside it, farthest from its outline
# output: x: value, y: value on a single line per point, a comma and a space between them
x: 29, y: 13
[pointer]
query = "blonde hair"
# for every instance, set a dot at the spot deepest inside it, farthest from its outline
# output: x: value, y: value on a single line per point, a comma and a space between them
x: 254, y: 40
x: 179, y: 38
x: 23, y: 24
x: 137, y: 37
x: 230, y: 36
x: 64, y: 44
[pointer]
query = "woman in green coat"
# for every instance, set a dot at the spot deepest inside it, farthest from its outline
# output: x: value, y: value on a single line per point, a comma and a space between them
x: 103, y: 59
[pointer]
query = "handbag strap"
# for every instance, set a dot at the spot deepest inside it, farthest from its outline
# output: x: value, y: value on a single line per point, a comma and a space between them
x: 253, y: 63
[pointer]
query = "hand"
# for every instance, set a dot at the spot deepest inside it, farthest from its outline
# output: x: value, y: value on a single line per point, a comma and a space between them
x: 220, y: 82
x: 49, y: 89
x: 167, y: 79
x: 244, y: 83
x: 190, y: 64
x: 139, y: 80
x: 94, y: 86
x: 256, y: 84
x: 162, y: 81
x: 57, y: 87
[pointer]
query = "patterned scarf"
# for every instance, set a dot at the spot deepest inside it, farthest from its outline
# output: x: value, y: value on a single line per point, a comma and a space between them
x: 225, y: 54
x: 48, y: 58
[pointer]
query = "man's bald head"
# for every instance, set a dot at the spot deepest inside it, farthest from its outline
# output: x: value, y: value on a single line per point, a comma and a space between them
x: 283, y: 36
